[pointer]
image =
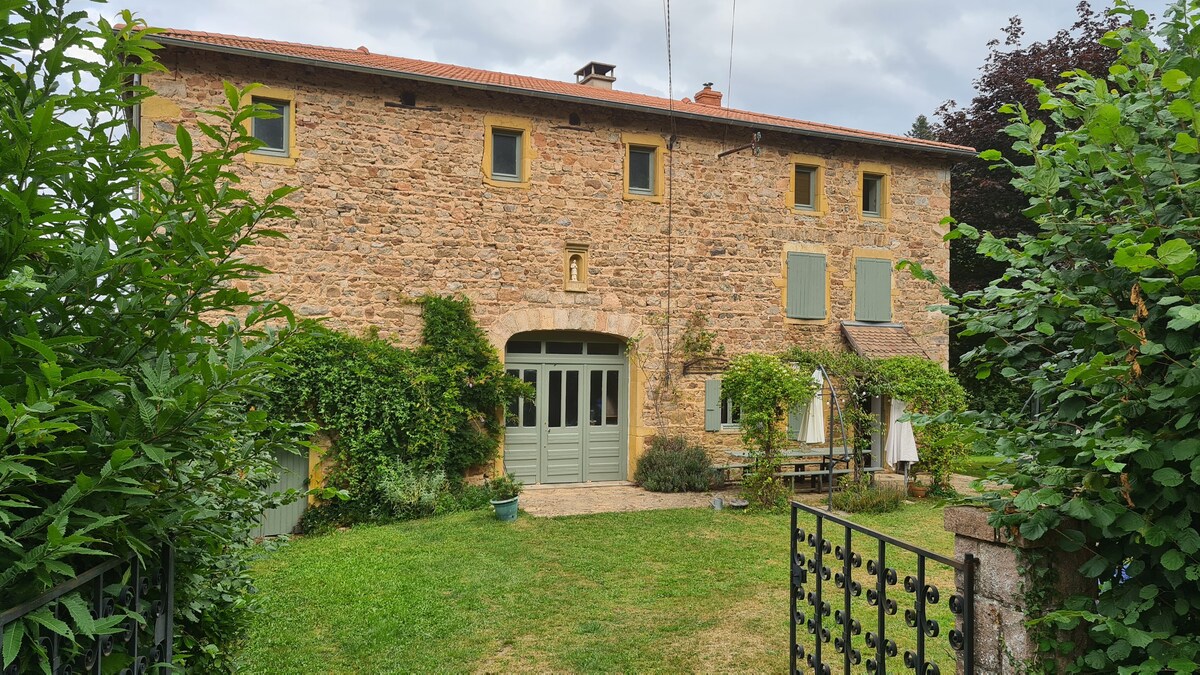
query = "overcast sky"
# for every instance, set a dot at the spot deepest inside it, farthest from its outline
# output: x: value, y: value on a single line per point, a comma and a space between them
x: 869, y: 64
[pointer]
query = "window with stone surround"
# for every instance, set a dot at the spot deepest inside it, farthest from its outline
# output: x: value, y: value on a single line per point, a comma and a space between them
x: 806, y: 192
x: 874, y: 190
x: 506, y: 151
x: 277, y: 133
x: 644, y: 172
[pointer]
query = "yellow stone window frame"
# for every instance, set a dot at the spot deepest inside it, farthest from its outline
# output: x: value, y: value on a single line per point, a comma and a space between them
x: 280, y: 96
x: 521, y: 125
x: 817, y: 164
x: 659, y: 145
x: 884, y: 171
x: 782, y: 282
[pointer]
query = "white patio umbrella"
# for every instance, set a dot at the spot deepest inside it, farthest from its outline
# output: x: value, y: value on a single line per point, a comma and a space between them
x: 901, y: 443
x: 813, y: 428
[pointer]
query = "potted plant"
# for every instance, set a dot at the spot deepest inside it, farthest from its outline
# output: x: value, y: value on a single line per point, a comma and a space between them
x: 918, y: 489
x: 504, y: 496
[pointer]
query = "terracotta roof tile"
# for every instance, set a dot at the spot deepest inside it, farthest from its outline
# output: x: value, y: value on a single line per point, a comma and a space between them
x: 881, y: 341
x: 354, y: 58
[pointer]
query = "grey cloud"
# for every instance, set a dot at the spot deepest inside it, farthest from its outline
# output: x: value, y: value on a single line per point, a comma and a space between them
x: 872, y: 64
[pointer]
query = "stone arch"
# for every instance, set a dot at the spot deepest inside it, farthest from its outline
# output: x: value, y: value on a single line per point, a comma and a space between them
x: 625, y: 326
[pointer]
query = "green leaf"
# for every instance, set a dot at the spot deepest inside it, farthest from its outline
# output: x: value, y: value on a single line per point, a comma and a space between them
x: 1185, y: 144
x: 43, y: 617
x: 1134, y: 258
x: 79, y: 612
x: 1168, y: 477
x: 184, y: 139
x: 1172, y: 560
x: 1044, y: 328
x: 1174, y: 80
x: 1183, y: 317
x: 1177, y: 255
x: 1182, y: 109
x: 13, y: 633
x: 991, y: 155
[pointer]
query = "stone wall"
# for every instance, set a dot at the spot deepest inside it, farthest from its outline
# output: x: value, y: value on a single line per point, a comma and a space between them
x: 1004, y: 589
x: 393, y: 205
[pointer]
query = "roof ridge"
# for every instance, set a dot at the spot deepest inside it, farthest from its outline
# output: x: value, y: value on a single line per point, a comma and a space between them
x: 402, y: 65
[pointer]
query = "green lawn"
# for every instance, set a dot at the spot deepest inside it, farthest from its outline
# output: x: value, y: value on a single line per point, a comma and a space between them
x: 978, y: 466
x: 680, y: 590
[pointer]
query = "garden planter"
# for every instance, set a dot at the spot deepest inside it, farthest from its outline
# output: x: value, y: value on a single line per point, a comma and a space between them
x: 506, y: 509
x: 918, y: 491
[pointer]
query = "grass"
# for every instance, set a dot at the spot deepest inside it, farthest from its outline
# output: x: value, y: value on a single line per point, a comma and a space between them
x: 649, y: 591
x: 978, y: 466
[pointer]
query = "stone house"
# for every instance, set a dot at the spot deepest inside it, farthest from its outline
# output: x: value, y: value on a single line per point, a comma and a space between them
x: 587, y: 224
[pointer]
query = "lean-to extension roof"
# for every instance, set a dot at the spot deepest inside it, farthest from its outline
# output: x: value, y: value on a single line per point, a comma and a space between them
x: 359, y: 60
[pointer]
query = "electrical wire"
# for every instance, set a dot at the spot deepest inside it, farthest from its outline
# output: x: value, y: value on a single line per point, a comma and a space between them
x: 670, y: 191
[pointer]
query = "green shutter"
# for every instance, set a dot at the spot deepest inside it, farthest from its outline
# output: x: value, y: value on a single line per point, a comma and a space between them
x: 873, y: 290
x: 805, y: 286
x: 712, y: 405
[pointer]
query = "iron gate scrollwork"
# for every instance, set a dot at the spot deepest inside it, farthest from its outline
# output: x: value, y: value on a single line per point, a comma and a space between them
x: 131, y: 603
x: 829, y: 591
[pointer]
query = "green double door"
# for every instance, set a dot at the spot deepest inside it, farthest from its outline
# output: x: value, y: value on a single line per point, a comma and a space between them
x: 573, y: 428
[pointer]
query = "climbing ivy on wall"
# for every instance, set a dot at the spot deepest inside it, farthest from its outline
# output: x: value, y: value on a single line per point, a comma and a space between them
x: 434, y: 407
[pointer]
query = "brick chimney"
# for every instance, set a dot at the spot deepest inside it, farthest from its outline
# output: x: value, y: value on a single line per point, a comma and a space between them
x: 707, y: 96
x: 596, y: 74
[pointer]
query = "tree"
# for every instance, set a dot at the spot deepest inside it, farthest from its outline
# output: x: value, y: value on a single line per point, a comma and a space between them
x: 765, y: 389
x: 921, y: 128
x: 982, y: 197
x: 132, y: 359
x: 1098, y: 312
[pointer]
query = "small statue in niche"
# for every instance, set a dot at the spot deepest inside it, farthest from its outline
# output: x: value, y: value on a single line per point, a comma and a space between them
x: 574, y: 268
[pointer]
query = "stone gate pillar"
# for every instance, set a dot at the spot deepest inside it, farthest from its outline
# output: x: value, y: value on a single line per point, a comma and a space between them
x: 1005, y: 591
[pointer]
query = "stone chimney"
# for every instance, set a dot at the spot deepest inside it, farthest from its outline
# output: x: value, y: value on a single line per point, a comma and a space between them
x: 596, y: 74
x: 707, y: 96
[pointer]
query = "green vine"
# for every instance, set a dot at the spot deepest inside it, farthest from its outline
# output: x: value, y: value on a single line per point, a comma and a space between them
x: 432, y: 407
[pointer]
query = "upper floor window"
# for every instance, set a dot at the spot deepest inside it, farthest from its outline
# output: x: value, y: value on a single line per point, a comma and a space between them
x: 873, y: 187
x: 644, y: 173
x: 805, y: 194
x: 506, y: 154
x: 506, y: 151
x: 273, y: 131
x: 807, y: 185
x: 641, y: 169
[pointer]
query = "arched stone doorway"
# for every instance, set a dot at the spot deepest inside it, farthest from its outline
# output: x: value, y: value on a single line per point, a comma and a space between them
x: 575, y: 428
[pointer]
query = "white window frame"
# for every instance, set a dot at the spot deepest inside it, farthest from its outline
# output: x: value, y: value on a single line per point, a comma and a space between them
x: 728, y: 407
x: 653, y: 153
x: 517, y: 134
x: 812, y: 188
x: 875, y: 181
x: 285, y: 119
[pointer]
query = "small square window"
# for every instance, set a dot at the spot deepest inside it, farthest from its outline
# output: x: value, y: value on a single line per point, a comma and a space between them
x: 731, y: 414
x: 272, y: 132
x: 641, y: 170
x: 506, y: 155
x: 872, y: 195
x: 806, y: 188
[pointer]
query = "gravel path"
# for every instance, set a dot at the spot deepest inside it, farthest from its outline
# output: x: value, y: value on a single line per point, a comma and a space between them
x: 610, y: 498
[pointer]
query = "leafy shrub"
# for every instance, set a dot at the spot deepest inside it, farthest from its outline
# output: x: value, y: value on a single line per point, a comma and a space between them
x: 859, y: 496
x: 130, y: 399
x: 410, y: 493
x: 464, y: 498
x: 765, y: 389
x: 505, y: 487
x: 930, y: 392
x: 433, y: 408
x: 671, y: 464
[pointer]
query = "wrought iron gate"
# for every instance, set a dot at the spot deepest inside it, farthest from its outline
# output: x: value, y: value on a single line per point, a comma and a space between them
x: 825, y: 618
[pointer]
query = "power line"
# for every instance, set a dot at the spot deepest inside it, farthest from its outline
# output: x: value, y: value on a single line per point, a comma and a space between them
x: 670, y: 190
x: 729, y: 76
